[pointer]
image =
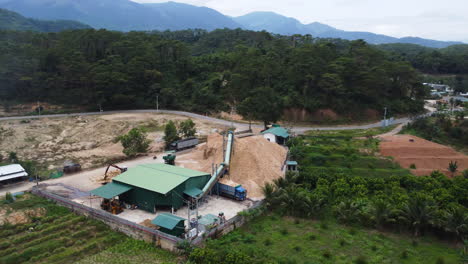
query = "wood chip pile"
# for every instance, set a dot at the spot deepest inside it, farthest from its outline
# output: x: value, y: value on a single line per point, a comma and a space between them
x: 255, y: 161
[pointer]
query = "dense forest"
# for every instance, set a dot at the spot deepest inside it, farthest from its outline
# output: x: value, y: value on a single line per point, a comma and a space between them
x: 205, y: 72
x: 448, y: 65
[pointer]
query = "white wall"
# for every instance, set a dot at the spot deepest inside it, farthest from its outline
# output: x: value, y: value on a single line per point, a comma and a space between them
x: 270, y: 137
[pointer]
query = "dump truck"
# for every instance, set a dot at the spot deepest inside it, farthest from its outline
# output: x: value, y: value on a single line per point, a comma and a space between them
x: 234, y: 192
x: 184, y: 144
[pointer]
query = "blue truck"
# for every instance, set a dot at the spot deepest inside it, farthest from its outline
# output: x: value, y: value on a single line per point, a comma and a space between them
x: 233, y: 192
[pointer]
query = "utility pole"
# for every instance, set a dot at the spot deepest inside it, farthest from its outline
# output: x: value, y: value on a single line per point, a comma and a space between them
x: 157, y: 102
x: 385, y: 117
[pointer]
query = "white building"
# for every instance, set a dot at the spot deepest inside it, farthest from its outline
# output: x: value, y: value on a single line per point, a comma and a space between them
x: 276, y: 134
x: 13, y: 172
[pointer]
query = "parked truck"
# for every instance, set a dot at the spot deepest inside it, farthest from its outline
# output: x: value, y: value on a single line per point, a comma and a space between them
x: 233, y: 192
x: 184, y: 144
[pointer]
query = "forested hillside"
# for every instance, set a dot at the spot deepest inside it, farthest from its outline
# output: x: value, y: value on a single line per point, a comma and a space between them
x: 258, y: 73
x: 13, y: 21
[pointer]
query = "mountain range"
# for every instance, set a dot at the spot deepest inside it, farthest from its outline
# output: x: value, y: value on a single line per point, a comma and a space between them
x: 125, y: 15
x: 13, y: 21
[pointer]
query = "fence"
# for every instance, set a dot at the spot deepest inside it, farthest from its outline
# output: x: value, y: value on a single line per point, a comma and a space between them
x: 140, y: 232
x: 228, y: 226
x: 134, y: 230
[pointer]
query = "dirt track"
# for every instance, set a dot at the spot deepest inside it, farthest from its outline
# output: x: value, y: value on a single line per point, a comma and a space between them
x: 427, y: 156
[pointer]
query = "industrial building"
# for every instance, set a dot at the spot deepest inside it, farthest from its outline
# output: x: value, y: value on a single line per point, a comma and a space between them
x: 276, y: 134
x: 154, y: 186
x: 12, y: 173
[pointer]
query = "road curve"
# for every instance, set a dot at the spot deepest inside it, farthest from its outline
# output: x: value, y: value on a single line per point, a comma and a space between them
x: 295, y: 129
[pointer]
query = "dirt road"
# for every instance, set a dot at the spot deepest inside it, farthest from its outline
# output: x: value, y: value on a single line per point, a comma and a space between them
x: 84, y: 180
x: 296, y: 129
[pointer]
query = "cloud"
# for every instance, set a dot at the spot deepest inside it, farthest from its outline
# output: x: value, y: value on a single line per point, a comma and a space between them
x: 445, y: 20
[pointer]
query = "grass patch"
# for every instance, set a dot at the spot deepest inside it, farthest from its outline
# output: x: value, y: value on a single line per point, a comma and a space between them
x: 365, y: 246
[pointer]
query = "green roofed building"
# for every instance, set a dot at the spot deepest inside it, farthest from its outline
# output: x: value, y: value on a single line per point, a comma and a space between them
x: 155, y: 185
x: 276, y: 134
x: 170, y: 224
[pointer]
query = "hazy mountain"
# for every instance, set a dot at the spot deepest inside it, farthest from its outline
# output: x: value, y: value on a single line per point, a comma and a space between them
x: 13, y: 21
x: 123, y: 15
x: 279, y: 24
x: 182, y: 16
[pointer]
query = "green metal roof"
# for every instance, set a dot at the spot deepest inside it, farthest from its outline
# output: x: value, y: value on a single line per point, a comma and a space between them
x: 208, y: 219
x: 291, y: 162
x: 159, y: 178
x: 277, y: 131
x: 166, y: 220
x: 193, y: 192
x: 111, y: 190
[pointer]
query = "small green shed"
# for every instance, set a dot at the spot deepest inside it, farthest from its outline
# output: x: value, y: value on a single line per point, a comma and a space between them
x: 155, y: 186
x: 170, y: 224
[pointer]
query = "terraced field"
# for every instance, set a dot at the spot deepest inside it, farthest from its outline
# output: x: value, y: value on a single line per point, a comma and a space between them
x: 60, y: 236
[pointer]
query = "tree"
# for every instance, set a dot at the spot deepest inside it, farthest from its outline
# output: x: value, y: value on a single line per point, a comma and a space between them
x: 134, y: 142
x: 453, y: 167
x: 418, y: 214
x: 455, y: 220
x: 264, y: 104
x: 170, y: 133
x: 13, y: 157
x: 187, y: 128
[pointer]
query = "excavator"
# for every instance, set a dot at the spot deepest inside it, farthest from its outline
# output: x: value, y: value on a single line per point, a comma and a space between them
x: 108, y: 176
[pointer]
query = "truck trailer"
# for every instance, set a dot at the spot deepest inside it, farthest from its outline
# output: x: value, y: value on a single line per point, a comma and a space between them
x: 184, y: 144
x: 234, y: 192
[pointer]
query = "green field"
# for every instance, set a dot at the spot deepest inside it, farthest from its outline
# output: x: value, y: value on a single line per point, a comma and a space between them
x: 60, y: 236
x: 276, y: 239
x: 352, y: 152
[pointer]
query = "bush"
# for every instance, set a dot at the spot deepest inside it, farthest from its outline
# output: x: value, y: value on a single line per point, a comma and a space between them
x: 324, y: 225
x: 284, y: 231
x: 9, y: 197
x: 342, y: 242
x: 134, y: 142
x: 268, y: 242
x: 404, y: 254
x: 413, y: 166
x: 327, y: 254
x: 440, y: 260
x: 297, y: 248
x: 360, y: 260
x: 312, y: 237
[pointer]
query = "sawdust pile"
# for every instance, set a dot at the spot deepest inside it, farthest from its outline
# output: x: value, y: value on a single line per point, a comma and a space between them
x: 148, y: 223
x: 255, y: 161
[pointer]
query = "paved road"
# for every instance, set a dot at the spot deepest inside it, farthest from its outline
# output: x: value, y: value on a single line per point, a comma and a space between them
x: 296, y: 129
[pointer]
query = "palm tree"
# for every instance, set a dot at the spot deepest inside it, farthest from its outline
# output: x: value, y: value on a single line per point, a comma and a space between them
x: 455, y: 220
x: 418, y: 214
x: 382, y: 213
x: 347, y: 211
x: 269, y: 191
x: 453, y: 167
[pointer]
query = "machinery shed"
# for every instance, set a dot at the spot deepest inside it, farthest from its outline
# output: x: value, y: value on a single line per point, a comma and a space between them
x: 155, y: 185
x: 170, y: 224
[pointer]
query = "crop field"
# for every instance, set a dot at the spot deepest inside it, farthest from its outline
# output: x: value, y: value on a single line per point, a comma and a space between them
x: 47, y: 233
x: 347, y: 152
x: 276, y: 239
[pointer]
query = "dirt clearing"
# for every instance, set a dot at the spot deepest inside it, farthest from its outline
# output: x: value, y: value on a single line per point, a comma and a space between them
x: 86, y: 139
x: 425, y: 155
x: 255, y: 161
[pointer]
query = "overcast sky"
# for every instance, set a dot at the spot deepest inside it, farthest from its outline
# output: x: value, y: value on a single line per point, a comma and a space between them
x: 443, y: 20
